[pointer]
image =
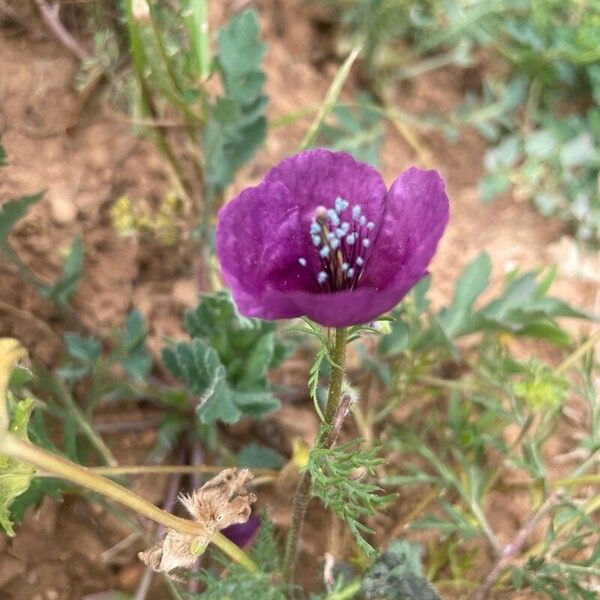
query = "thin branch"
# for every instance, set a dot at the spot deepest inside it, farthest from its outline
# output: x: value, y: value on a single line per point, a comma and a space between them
x: 512, y: 551
x: 50, y: 15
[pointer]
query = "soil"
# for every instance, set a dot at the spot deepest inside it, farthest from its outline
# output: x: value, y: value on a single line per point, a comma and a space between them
x: 85, y: 160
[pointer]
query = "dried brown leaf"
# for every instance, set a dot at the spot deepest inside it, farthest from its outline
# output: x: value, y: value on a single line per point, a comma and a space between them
x: 220, y: 502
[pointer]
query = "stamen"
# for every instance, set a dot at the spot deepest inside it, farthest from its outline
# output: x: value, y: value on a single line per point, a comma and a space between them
x: 302, y: 261
x: 340, y: 245
x: 333, y: 217
x: 340, y: 205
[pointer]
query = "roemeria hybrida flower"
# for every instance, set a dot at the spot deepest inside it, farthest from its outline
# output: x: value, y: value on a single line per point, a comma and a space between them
x: 321, y: 236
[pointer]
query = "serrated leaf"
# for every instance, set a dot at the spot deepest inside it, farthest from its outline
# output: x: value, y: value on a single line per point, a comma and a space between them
x: 256, y: 404
x: 257, y: 362
x: 15, y: 476
x: 237, y: 126
x: 199, y: 366
x: 219, y: 405
x: 240, y: 48
x: 86, y: 350
x: 135, y: 358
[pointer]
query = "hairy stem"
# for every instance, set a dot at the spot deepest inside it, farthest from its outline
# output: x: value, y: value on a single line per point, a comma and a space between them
x: 24, y: 451
x: 338, y: 358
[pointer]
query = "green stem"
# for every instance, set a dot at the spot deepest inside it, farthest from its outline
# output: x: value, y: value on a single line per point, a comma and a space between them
x: 346, y: 593
x: 164, y: 470
x: 338, y: 358
x: 86, y: 426
x: 24, y: 451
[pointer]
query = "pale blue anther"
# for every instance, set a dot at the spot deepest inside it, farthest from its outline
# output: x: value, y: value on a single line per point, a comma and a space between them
x: 345, y: 227
x: 322, y: 277
x: 331, y: 236
x: 316, y: 240
x: 363, y: 220
x: 345, y: 266
x: 302, y: 261
x: 350, y: 239
x: 356, y: 212
x: 340, y: 205
x: 324, y: 251
x: 339, y: 233
x: 360, y: 261
x: 370, y: 225
x: 366, y: 243
x: 350, y: 273
x: 335, y: 244
x: 333, y: 217
x: 314, y: 228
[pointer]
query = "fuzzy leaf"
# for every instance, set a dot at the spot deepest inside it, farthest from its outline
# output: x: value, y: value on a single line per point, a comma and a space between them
x: 199, y: 366
x: 237, y: 126
x: 397, y: 573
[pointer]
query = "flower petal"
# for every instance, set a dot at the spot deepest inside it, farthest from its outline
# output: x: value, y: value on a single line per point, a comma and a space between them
x: 263, y: 232
x: 341, y: 309
x: 317, y: 177
x: 242, y: 534
x: 258, y: 242
x: 416, y: 214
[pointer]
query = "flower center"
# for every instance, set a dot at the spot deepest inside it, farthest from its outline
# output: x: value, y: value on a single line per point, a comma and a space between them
x: 340, y: 236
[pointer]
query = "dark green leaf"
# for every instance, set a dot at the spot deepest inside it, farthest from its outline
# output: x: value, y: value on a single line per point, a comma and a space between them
x: 86, y: 350
x: 11, y: 212
x: 61, y: 291
x: 259, y: 457
x: 472, y: 282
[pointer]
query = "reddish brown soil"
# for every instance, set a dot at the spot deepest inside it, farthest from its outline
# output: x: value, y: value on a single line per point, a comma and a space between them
x: 86, y: 161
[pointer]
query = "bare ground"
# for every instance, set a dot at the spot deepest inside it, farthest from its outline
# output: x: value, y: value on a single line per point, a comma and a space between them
x: 61, y: 549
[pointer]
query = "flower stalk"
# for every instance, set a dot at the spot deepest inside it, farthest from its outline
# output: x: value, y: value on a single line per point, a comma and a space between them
x: 39, y: 458
x: 338, y: 360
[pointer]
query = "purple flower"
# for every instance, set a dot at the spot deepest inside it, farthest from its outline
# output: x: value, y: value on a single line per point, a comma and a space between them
x: 322, y: 237
x: 242, y: 534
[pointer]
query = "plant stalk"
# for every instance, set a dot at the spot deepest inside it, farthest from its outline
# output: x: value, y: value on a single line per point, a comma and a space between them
x: 338, y: 359
x: 24, y: 451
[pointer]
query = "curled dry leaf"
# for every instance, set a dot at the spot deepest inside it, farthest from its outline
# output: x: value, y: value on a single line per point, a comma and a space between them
x: 220, y: 502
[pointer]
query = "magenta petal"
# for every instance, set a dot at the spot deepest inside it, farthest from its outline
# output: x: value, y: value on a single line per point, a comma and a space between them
x: 416, y: 214
x: 321, y: 237
x: 241, y: 534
